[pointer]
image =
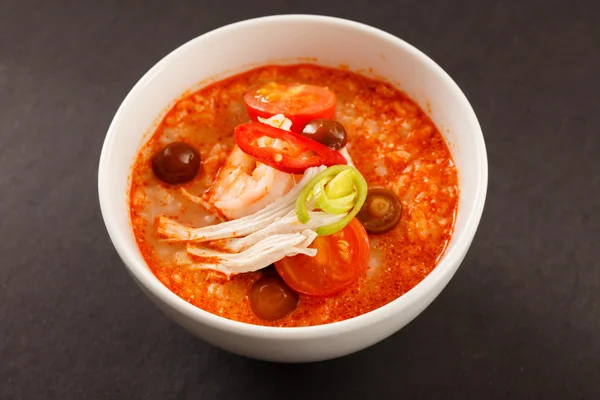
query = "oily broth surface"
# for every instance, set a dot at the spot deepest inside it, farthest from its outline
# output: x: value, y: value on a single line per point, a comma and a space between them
x: 393, y: 144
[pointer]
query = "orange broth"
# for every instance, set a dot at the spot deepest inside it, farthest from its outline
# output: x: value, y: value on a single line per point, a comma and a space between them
x: 392, y: 143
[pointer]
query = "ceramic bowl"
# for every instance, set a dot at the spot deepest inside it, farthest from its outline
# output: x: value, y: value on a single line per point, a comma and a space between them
x: 285, y: 40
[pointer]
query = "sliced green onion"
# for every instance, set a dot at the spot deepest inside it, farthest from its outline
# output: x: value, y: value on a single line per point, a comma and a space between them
x: 342, y: 185
x: 337, y: 190
x: 319, y: 189
x: 336, y: 206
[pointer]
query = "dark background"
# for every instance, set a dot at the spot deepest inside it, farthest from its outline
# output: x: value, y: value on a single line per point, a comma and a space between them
x: 521, y: 318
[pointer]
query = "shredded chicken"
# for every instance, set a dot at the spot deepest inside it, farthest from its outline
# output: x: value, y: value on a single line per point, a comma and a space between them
x: 258, y: 256
x: 287, y: 224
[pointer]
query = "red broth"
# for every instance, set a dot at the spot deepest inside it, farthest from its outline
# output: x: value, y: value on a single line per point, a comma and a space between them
x: 392, y: 143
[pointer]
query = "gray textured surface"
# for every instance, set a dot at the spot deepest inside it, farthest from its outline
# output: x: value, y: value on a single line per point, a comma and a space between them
x: 521, y: 319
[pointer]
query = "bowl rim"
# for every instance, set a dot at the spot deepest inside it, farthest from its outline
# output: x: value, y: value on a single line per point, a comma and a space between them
x: 144, y: 276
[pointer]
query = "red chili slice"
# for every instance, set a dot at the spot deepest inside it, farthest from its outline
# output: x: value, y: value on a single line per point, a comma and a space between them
x: 296, y: 155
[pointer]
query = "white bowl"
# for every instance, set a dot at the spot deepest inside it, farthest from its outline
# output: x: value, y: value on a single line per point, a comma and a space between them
x: 284, y: 40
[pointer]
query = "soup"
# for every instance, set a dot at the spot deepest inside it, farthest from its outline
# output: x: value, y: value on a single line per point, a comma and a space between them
x: 293, y: 196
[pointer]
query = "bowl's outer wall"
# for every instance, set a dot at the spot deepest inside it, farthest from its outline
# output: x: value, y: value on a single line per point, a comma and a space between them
x: 310, y: 350
x: 292, y: 39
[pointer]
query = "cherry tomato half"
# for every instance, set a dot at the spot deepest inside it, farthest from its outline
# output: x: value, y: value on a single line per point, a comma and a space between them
x: 298, y: 102
x: 341, y: 259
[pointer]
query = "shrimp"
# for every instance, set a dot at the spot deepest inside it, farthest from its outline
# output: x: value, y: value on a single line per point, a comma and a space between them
x: 243, y: 186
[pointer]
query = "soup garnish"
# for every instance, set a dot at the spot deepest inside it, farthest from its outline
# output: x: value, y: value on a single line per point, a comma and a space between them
x: 176, y: 163
x: 340, y: 260
x: 338, y: 190
x: 330, y: 133
x: 271, y: 299
x: 285, y: 151
x: 381, y: 211
x: 339, y: 181
x: 300, y: 103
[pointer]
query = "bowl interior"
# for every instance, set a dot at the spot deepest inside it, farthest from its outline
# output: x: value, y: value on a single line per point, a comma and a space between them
x: 285, y: 40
